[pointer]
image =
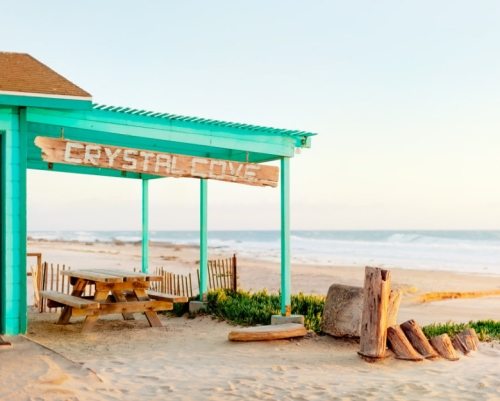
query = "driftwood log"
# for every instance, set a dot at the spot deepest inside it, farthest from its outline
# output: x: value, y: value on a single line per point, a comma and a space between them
x: 373, y: 335
x: 393, y: 309
x: 401, y: 346
x: 442, y: 344
x: 460, y: 345
x: 469, y: 338
x: 417, y: 338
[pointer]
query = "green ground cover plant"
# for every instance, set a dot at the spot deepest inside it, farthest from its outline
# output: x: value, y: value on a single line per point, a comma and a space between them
x: 249, y: 309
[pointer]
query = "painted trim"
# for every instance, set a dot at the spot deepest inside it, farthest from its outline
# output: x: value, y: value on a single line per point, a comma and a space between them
x: 45, y: 95
x: 203, y: 240
x: 145, y: 226
x: 285, y: 237
x: 44, y: 102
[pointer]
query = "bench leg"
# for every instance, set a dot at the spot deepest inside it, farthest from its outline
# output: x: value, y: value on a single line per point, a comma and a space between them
x: 120, y: 297
x: 88, y: 324
x: 153, y: 319
x: 78, y: 289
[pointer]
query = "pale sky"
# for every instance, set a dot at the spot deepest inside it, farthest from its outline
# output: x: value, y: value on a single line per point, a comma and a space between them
x: 405, y: 97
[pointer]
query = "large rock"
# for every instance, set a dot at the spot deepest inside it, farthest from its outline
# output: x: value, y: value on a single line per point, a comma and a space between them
x: 342, y: 311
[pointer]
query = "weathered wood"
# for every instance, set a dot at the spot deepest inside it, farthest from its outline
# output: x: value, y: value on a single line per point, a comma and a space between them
x: 373, y: 336
x: 88, y: 324
x: 176, y: 299
x: 442, y: 344
x: 401, y: 346
x: 119, y: 296
x: 269, y: 332
x: 125, y: 275
x: 78, y: 289
x: 235, y: 272
x: 153, y: 319
x: 60, y: 299
x: 134, y: 307
x: 418, y: 339
x: 93, y: 276
x: 55, y: 150
x: 460, y: 345
x: 393, y: 308
x: 469, y: 338
x: 125, y: 286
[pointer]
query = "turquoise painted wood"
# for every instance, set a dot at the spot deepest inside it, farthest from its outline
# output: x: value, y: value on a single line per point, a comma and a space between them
x: 40, y: 101
x: 13, y: 308
x: 145, y: 226
x: 203, y: 240
x: 127, y: 128
x: 285, y: 237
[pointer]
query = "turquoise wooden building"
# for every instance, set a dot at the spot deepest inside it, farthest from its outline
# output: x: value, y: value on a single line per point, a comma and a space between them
x: 39, y: 105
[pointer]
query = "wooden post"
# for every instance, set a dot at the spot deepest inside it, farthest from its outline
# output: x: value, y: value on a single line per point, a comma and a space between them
x: 203, y: 240
x: 373, y: 335
x: 442, y: 344
x: 417, y: 338
x: 460, y: 345
x: 286, y: 305
x: 145, y: 226
x: 401, y: 346
x: 393, y: 308
x: 235, y: 273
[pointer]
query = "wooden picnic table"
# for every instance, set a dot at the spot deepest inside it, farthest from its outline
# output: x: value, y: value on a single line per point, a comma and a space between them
x: 116, y: 291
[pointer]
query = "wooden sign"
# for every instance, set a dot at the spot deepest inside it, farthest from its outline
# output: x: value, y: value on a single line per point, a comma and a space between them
x: 155, y: 163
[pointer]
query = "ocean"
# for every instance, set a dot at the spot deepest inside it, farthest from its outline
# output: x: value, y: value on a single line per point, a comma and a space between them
x: 463, y: 251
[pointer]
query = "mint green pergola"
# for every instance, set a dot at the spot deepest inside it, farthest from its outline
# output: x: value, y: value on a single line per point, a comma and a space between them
x: 26, y: 115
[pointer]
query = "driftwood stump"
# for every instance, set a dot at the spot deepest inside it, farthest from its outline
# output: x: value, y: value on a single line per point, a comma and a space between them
x: 469, y: 338
x: 393, y: 309
x: 460, y: 345
x: 373, y: 335
x: 401, y: 346
x: 442, y: 344
x: 417, y: 338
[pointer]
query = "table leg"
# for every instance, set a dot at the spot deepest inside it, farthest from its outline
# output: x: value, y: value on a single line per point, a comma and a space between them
x: 78, y: 289
x: 120, y: 297
x: 153, y: 319
x: 99, y: 296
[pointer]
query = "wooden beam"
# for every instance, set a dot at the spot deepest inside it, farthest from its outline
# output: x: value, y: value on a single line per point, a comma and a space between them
x: 156, y: 163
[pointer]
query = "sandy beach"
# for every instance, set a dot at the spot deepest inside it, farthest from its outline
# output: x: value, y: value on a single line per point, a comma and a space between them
x: 191, y: 358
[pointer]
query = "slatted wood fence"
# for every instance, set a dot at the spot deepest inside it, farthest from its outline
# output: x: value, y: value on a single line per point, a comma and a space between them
x: 222, y: 273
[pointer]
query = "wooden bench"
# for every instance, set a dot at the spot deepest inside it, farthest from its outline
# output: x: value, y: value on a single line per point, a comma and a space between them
x: 175, y: 299
x: 57, y: 299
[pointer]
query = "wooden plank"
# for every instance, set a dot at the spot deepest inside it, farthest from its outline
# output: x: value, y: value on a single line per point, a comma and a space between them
x: 70, y: 300
x: 125, y: 286
x: 92, y: 276
x: 55, y: 150
x: 269, y: 332
x: 176, y: 299
x: 134, y: 307
x: 153, y: 319
x: 78, y: 289
x: 126, y: 275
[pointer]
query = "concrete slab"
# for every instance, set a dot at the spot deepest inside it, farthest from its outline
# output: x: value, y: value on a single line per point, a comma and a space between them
x: 197, y: 306
x: 278, y: 319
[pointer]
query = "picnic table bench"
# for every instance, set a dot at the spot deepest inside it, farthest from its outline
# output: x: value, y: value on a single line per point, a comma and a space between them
x: 116, y: 291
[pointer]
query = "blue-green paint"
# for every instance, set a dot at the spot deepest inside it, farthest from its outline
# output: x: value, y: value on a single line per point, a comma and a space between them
x: 13, y: 317
x: 203, y: 240
x: 285, y: 237
x: 46, y: 102
x: 145, y: 226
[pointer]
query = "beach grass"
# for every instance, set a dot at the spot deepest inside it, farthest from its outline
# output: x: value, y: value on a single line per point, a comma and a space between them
x: 250, y: 309
x: 246, y: 308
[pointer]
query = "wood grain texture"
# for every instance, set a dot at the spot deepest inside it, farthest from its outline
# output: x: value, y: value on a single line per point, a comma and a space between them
x: 401, y: 346
x: 442, y: 344
x: 373, y: 335
x: 418, y: 339
x: 154, y: 163
x: 268, y: 332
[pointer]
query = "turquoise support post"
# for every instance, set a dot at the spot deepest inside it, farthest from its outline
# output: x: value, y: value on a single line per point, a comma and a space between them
x: 286, y: 308
x: 145, y: 226
x: 203, y: 241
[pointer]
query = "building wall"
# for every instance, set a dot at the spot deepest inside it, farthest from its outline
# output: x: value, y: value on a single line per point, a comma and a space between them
x: 13, y: 308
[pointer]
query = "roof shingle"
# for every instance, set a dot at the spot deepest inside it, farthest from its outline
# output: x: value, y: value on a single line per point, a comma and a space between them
x: 20, y: 72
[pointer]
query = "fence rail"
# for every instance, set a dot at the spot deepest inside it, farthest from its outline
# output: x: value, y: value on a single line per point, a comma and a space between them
x: 222, y: 273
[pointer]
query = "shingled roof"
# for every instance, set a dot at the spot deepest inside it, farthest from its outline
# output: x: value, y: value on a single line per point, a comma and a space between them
x: 21, y: 74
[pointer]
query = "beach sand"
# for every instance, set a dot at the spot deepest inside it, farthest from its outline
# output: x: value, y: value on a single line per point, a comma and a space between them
x: 191, y: 359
